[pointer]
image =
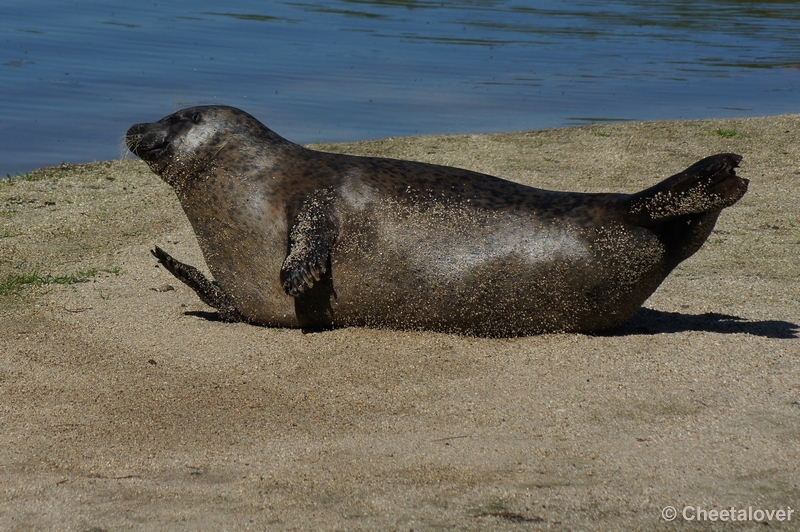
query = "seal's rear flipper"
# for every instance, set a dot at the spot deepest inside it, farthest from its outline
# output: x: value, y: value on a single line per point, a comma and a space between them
x: 707, y: 186
x: 210, y: 293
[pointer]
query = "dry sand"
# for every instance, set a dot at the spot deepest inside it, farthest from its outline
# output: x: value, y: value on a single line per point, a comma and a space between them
x: 123, y: 407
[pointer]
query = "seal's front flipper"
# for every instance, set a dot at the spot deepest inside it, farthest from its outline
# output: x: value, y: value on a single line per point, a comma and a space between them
x: 707, y: 186
x: 210, y: 293
x: 310, y: 242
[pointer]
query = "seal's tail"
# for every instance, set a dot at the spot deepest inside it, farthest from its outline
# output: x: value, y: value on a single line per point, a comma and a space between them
x: 707, y: 186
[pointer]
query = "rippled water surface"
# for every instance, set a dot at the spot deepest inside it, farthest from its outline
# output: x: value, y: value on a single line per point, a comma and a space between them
x: 75, y: 75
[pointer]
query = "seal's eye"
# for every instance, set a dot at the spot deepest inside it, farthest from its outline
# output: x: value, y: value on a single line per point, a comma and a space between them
x: 196, y: 118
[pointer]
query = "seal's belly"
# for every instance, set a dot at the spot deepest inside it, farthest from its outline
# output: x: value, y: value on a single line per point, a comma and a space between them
x: 475, y: 271
x: 247, y: 268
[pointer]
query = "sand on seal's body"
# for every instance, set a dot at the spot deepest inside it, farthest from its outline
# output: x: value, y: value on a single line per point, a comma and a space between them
x: 302, y: 238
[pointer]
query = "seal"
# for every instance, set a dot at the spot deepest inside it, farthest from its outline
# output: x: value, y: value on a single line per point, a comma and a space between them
x: 301, y: 238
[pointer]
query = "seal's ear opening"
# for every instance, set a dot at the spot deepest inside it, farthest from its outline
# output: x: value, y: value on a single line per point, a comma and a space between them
x: 197, y: 117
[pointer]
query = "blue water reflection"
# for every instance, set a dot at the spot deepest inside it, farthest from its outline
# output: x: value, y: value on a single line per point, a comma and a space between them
x: 74, y: 76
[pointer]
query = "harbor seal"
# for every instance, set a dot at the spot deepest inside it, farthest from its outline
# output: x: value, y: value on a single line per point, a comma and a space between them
x: 301, y: 238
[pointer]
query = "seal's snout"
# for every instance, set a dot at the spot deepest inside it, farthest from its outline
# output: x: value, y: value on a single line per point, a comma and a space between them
x: 137, y: 129
x: 133, y: 137
x: 144, y: 142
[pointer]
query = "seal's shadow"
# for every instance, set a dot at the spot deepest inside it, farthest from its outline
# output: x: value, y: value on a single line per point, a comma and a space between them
x: 648, y: 321
x: 206, y: 315
x: 651, y: 321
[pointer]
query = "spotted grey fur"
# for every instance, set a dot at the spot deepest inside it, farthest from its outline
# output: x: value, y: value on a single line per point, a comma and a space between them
x: 302, y: 238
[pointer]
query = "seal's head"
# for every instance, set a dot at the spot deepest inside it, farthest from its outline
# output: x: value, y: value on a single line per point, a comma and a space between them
x: 182, y: 145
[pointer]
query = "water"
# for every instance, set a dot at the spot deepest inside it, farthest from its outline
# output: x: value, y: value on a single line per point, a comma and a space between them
x: 75, y: 75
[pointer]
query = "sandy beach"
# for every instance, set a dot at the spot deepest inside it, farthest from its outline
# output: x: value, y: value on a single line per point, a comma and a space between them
x: 125, y: 404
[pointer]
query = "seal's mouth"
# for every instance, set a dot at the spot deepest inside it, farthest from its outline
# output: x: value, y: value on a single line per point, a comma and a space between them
x: 147, y: 152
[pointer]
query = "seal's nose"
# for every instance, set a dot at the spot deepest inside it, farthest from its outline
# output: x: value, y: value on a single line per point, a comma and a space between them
x: 136, y: 130
x: 143, y: 141
x: 134, y: 136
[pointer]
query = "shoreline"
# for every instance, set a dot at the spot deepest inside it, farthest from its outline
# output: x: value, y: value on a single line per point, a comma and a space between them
x: 125, y: 404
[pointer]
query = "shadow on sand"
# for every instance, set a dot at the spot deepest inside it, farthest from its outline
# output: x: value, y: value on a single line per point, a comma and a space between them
x: 650, y: 321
